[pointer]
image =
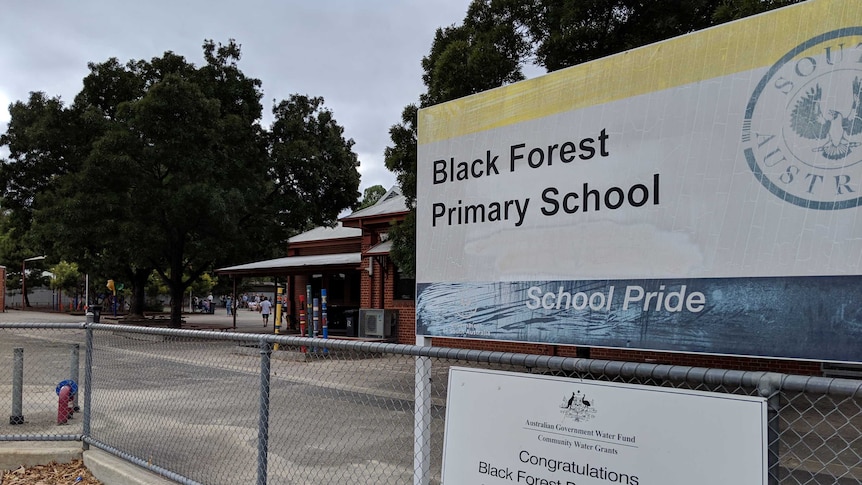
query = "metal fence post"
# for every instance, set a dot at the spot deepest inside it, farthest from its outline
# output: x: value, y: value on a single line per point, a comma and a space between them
x: 422, y: 423
x: 74, y: 365
x: 88, y: 383
x: 769, y: 387
x: 422, y: 419
x: 263, y: 422
x: 17, y: 416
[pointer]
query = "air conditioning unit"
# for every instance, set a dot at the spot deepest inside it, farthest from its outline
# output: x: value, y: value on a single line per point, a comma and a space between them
x: 377, y: 322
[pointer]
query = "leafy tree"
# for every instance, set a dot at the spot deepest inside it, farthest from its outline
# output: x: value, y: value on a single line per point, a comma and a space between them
x: 372, y: 195
x: 485, y: 52
x: 498, y: 37
x: 42, y: 148
x: 164, y: 166
x: 66, y: 279
x: 203, y: 285
x: 570, y: 32
x: 156, y: 287
x: 66, y: 276
x: 313, y: 174
x: 737, y: 9
x: 403, y: 251
x: 401, y: 157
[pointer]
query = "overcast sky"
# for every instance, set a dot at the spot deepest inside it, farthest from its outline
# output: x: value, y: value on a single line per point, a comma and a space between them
x: 362, y: 56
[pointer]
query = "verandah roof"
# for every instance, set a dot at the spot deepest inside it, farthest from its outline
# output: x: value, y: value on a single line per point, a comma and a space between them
x: 293, y: 264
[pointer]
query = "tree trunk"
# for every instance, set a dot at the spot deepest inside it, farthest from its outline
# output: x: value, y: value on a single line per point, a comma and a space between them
x: 178, y: 288
x: 139, y: 291
x: 177, y: 291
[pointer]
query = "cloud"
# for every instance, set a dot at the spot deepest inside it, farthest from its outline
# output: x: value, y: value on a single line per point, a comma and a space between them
x: 4, y: 111
x: 363, y: 58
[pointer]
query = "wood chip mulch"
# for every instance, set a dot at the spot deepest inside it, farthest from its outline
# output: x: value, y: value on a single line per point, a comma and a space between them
x: 73, y: 473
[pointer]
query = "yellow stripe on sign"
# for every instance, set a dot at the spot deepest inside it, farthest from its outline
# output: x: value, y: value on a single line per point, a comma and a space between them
x: 751, y: 43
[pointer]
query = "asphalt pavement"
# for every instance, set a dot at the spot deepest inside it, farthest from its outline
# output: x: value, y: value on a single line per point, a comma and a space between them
x: 246, y: 321
x: 180, y: 422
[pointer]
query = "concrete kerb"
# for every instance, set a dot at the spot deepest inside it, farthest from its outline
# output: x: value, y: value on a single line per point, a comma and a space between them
x: 112, y: 470
x: 107, y: 468
x: 15, y: 454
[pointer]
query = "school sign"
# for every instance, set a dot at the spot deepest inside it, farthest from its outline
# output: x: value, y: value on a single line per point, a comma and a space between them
x: 701, y: 194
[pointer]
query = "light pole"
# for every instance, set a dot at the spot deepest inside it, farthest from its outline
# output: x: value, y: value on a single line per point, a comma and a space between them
x: 24, y: 280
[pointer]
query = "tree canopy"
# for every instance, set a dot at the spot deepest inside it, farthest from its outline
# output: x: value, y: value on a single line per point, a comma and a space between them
x: 163, y: 165
x: 372, y: 195
x: 499, y: 37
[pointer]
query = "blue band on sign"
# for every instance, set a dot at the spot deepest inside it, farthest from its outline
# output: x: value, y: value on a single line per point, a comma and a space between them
x: 69, y: 383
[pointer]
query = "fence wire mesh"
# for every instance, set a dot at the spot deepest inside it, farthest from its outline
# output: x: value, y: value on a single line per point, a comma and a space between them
x: 33, y: 363
x: 227, y: 408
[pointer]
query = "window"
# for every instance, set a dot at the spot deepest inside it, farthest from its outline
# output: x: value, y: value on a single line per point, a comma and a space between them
x: 404, y: 287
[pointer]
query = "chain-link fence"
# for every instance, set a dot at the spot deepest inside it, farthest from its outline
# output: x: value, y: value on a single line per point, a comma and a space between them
x: 227, y: 408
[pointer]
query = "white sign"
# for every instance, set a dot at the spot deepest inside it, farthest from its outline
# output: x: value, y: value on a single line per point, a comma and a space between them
x: 732, y: 152
x: 506, y: 428
x: 709, y: 185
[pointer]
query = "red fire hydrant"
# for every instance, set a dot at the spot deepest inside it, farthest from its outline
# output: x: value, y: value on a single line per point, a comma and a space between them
x: 65, y: 406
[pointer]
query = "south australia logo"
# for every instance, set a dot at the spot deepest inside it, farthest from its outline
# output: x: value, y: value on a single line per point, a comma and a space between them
x: 802, y: 133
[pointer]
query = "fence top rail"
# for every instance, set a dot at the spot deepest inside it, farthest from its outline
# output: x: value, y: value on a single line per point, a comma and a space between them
x: 41, y: 437
x: 45, y: 325
x: 766, y: 383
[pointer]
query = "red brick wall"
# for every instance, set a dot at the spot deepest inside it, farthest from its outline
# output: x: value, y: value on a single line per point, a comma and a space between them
x: 494, y: 346
x: 318, y: 250
x: 406, y: 332
x: 367, y: 282
x: 721, y: 362
x: 406, y: 321
x: 693, y: 360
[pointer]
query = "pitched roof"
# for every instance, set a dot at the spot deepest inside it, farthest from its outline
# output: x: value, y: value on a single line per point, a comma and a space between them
x: 392, y: 202
x: 323, y: 233
x: 282, y: 265
x: 383, y: 248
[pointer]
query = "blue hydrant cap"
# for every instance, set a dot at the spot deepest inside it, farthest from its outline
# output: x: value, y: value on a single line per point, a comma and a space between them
x: 70, y: 383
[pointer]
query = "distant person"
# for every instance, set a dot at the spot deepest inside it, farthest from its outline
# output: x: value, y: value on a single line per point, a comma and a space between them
x: 227, y: 304
x: 265, y: 307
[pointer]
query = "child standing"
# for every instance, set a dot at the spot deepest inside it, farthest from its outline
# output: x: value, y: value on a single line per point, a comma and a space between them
x: 265, y: 307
